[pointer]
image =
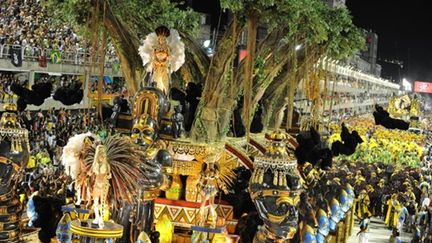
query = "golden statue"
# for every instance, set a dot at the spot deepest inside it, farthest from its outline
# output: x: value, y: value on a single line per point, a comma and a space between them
x: 163, y: 53
x: 217, y: 174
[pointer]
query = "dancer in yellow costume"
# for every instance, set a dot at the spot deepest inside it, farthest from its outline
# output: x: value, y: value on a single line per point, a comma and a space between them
x: 392, y: 215
x: 363, y: 204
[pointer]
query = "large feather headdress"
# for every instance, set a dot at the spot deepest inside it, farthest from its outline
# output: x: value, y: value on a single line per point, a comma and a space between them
x: 225, y: 167
x: 124, y: 160
x: 176, y: 48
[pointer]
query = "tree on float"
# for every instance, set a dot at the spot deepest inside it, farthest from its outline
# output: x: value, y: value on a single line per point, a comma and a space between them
x: 278, y: 66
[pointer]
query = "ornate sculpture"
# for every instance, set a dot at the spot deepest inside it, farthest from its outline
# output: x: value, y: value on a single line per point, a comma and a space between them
x: 156, y: 166
x: 216, y: 175
x: 275, y: 189
x: 163, y: 53
x: 14, y: 154
x: 177, y: 120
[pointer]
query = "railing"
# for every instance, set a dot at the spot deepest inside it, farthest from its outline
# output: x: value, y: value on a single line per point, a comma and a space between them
x: 78, y: 57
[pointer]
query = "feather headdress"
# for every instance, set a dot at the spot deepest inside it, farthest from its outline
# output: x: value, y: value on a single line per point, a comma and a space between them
x: 175, y: 45
x: 123, y: 158
x: 225, y: 168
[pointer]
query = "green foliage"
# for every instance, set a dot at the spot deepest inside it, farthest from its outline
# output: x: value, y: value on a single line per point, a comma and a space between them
x: 344, y: 37
x: 149, y: 14
x: 313, y: 23
x: 259, y: 68
x: 244, y: 6
x: 142, y: 16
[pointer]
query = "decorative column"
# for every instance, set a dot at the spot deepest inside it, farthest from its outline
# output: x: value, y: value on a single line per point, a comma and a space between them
x: 14, y: 154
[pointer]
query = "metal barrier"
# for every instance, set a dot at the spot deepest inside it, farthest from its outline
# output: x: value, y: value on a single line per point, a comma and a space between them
x: 79, y: 57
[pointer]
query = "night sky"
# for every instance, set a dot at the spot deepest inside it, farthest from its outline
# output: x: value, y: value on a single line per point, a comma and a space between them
x: 405, y: 33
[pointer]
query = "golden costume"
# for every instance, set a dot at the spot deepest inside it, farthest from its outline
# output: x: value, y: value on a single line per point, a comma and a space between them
x: 363, y: 203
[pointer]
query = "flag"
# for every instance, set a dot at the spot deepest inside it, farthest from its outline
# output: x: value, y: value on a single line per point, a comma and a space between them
x: 115, y: 68
x: 42, y: 61
x: 16, y: 56
x: 55, y: 57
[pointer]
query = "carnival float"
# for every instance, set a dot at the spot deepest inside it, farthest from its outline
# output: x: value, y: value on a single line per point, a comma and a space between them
x: 148, y: 182
x: 143, y: 178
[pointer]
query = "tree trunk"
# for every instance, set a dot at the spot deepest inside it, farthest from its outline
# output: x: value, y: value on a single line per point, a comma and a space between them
x: 274, y: 63
x: 126, y: 44
x: 292, y: 87
x: 218, y: 99
x: 251, y: 42
x: 274, y: 101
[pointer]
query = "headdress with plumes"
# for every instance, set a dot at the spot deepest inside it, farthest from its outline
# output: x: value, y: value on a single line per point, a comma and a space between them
x: 173, y: 40
x: 124, y: 160
x: 71, y: 153
x: 224, y: 166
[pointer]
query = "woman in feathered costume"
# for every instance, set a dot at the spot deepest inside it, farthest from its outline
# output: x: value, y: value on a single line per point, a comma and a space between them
x: 114, y: 170
x: 163, y: 53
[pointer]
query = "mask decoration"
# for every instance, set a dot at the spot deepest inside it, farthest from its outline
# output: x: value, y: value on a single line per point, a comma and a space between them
x: 335, y: 214
x: 14, y: 154
x: 323, y: 226
x: 144, y: 131
x: 275, y: 189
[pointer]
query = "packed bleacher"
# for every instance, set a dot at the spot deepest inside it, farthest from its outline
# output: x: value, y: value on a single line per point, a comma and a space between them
x: 28, y: 25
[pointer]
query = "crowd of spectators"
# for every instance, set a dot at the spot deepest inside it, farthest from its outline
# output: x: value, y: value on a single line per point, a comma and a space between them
x: 50, y: 130
x: 30, y: 25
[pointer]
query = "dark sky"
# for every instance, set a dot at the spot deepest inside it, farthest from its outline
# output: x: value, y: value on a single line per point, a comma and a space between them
x: 404, y: 30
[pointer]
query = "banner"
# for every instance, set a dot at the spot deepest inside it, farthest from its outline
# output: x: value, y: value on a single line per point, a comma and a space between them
x: 422, y: 87
x: 16, y: 56
x: 115, y: 68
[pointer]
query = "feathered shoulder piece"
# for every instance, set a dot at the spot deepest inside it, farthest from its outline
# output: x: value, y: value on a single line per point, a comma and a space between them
x: 163, y: 39
x: 71, y: 154
x: 124, y: 162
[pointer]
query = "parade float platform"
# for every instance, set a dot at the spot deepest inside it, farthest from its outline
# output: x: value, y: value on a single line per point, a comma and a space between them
x: 184, y: 214
x: 85, y: 229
